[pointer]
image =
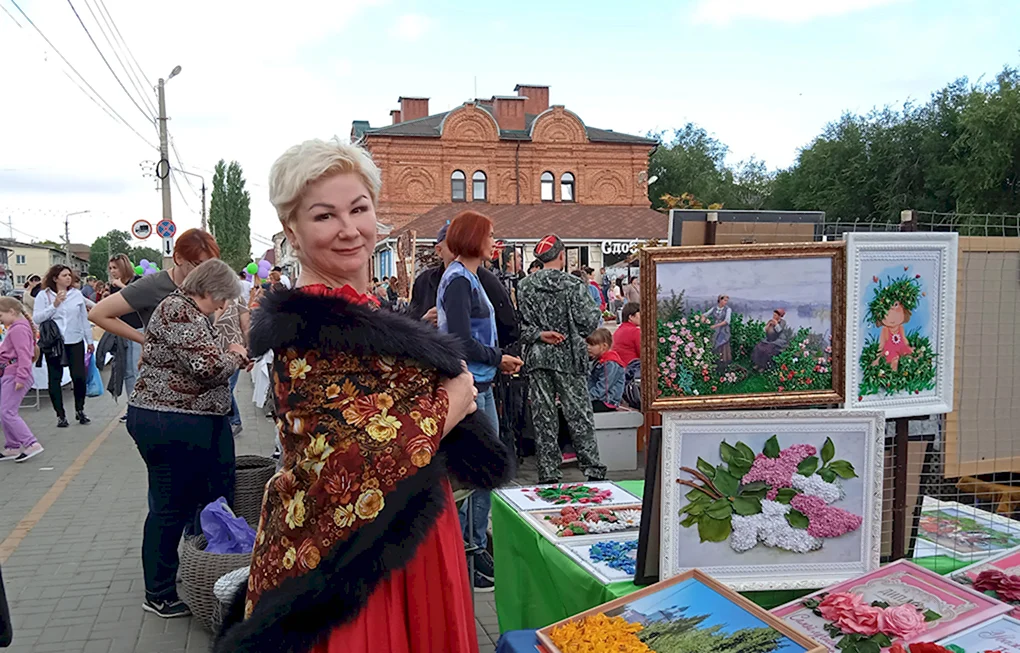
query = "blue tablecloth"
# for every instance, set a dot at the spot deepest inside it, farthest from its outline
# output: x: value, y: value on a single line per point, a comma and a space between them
x: 517, y: 641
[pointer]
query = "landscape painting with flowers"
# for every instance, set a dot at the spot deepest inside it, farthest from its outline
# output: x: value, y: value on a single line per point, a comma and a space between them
x: 746, y: 325
x: 787, y: 495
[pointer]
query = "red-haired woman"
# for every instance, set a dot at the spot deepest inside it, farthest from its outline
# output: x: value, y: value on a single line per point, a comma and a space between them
x: 193, y: 247
x: 464, y: 310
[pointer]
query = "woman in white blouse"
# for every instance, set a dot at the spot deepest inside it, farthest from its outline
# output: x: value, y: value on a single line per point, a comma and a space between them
x: 68, y: 308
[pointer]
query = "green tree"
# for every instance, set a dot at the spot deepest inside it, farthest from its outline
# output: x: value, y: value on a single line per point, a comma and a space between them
x: 113, y: 243
x: 230, y: 214
x: 153, y: 255
x: 690, y: 161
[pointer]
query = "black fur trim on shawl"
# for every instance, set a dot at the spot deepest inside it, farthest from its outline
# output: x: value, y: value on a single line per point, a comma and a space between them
x: 301, y: 611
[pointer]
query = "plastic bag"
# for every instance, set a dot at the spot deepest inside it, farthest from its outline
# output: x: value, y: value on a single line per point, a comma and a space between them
x: 93, y: 381
x: 224, y: 531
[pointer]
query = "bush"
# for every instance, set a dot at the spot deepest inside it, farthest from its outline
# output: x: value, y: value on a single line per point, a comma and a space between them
x: 802, y: 366
x: 915, y: 373
x: 686, y: 360
x: 744, y: 335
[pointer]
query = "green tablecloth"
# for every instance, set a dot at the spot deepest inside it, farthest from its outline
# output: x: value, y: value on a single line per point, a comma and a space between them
x: 537, y: 584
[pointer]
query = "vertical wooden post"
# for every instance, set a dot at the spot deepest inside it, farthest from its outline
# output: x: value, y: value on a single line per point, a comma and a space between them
x: 711, y: 226
x: 908, y: 222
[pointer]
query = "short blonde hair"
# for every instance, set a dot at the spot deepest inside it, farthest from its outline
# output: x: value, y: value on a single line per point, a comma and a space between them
x: 214, y: 279
x: 312, y: 160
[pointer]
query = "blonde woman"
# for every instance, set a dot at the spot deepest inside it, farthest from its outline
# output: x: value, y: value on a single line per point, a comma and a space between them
x: 359, y: 547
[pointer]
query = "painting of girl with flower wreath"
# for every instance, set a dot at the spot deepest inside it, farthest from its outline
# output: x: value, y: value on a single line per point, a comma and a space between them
x: 898, y: 357
x: 744, y: 326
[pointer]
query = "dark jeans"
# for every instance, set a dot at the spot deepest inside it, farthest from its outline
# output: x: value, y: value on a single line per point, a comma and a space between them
x: 75, y: 355
x: 190, y: 462
x: 235, y: 413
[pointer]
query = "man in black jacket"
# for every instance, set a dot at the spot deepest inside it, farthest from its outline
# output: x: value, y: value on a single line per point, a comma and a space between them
x: 426, y: 287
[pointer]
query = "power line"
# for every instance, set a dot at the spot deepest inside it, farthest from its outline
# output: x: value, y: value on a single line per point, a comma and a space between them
x: 135, y: 83
x: 181, y: 193
x: 180, y: 164
x: 103, y: 9
x: 108, y: 66
x: 109, y: 108
x: 11, y: 16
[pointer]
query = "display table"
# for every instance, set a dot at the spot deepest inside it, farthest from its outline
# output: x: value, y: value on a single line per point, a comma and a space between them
x: 537, y: 584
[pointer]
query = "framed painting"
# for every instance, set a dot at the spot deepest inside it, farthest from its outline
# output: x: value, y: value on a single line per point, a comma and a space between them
x: 691, y: 612
x: 963, y: 532
x: 610, y: 559
x: 651, y: 503
x: 546, y: 497
x: 999, y: 635
x: 901, y: 311
x: 743, y: 326
x: 772, y: 500
x: 1002, y: 580
x: 900, y: 602
x: 573, y: 522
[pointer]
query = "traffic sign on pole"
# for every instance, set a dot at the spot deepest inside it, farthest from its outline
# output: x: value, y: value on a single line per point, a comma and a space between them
x: 166, y: 228
x: 168, y: 246
x: 141, y: 229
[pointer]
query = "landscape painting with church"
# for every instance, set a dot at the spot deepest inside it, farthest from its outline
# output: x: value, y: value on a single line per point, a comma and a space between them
x: 740, y: 327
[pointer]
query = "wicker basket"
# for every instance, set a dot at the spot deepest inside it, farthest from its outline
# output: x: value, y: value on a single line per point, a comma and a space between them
x: 199, y: 572
x: 253, y: 472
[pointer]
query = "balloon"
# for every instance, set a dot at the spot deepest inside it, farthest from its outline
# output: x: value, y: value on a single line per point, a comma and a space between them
x: 139, y: 269
x: 264, y: 268
x: 148, y: 272
x: 252, y: 268
x: 145, y: 263
x: 248, y: 276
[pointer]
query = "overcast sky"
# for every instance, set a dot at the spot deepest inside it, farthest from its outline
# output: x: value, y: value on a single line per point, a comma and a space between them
x: 764, y: 76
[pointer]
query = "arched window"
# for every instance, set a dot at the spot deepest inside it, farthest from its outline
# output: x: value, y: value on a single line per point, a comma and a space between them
x: 547, y: 186
x: 478, y: 187
x: 567, y: 187
x: 457, y: 186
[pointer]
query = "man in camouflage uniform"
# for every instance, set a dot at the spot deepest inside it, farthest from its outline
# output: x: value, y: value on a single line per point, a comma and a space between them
x: 557, y: 314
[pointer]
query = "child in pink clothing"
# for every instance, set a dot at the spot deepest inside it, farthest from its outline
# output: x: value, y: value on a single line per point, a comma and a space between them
x: 17, y: 352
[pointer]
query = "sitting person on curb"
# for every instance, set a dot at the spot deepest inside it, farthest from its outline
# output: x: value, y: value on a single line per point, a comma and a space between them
x: 605, y: 383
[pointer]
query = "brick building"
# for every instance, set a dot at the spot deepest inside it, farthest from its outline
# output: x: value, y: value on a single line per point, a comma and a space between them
x: 506, y: 151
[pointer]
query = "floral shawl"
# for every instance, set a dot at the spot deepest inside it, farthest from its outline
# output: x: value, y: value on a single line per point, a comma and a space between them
x: 360, y: 415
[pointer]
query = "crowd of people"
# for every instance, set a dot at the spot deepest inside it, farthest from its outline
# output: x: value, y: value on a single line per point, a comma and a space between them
x: 379, y: 413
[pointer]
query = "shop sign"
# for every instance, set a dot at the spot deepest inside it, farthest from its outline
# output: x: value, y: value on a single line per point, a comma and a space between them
x: 618, y: 247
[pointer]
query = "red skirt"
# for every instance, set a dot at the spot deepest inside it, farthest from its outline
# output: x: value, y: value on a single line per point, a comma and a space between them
x: 423, y: 608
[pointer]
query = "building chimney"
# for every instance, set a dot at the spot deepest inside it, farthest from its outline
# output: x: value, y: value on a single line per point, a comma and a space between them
x: 537, y: 97
x: 509, y: 111
x: 395, y: 114
x: 412, y: 108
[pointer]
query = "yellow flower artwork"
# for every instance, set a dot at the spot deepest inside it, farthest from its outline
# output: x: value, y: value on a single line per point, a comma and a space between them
x: 383, y: 428
x: 296, y: 510
x: 299, y: 367
x: 369, y: 504
x: 344, y: 516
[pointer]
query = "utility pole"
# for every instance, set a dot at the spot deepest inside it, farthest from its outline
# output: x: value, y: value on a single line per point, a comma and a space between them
x: 163, y: 167
x: 67, y: 236
x: 203, y: 206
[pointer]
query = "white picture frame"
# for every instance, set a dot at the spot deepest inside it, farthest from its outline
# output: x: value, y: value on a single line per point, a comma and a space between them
x: 857, y: 439
x: 537, y: 520
x: 876, y: 262
x: 522, y: 499
x: 603, y: 573
x: 1000, y: 634
x: 964, y: 533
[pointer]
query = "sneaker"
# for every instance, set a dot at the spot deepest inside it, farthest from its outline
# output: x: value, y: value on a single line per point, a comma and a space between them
x: 485, y: 565
x: 29, y: 452
x: 236, y: 429
x: 82, y: 418
x: 569, y: 458
x: 9, y: 454
x: 62, y: 422
x: 166, y: 609
x: 123, y: 418
x: 483, y: 585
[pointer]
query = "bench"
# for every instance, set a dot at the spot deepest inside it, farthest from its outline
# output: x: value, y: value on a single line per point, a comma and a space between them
x: 616, y: 434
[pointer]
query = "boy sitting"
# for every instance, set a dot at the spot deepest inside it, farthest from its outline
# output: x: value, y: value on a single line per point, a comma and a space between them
x: 606, y: 381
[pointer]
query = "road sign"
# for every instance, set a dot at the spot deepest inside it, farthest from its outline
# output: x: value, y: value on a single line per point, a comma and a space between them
x: 166, y: 228
x: 141, y: 229
x: 168, y: 245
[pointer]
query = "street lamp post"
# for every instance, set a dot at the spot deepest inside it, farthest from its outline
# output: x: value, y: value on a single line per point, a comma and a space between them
x: 163, y: 167
x: 192, y: 174
x: 67, y: 235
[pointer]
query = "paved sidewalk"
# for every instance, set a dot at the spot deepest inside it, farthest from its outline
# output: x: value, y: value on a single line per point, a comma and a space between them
x: 74, y: 580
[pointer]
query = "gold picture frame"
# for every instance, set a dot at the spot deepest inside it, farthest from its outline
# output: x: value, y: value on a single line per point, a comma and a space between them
x: 652, y: 396
x: 737, y: 602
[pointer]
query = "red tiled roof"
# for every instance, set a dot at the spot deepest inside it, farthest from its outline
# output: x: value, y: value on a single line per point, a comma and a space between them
x: 568, y: 221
